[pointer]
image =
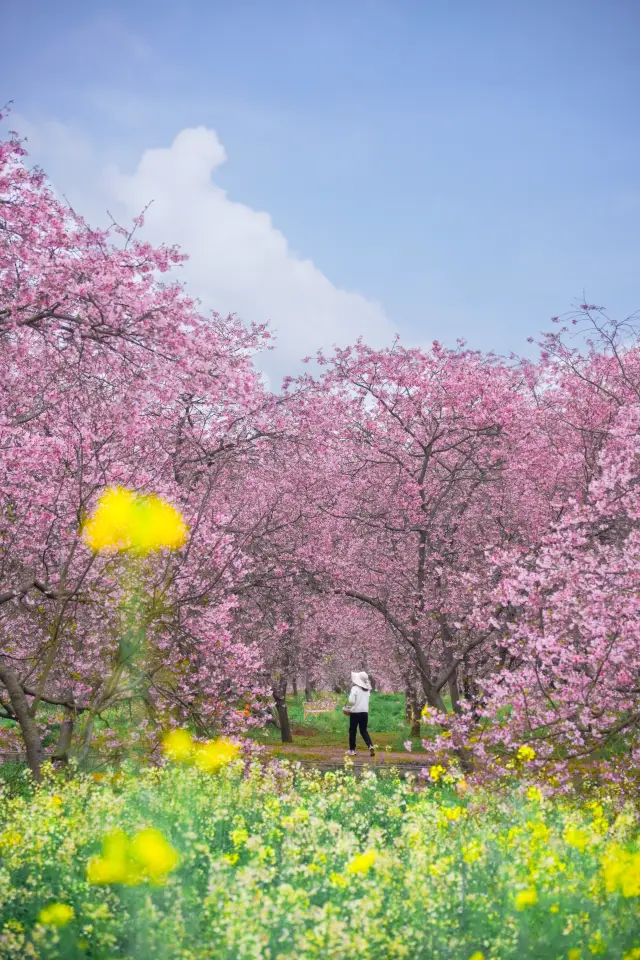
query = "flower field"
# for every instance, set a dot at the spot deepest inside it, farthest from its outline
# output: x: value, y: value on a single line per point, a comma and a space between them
x: 225, y: 858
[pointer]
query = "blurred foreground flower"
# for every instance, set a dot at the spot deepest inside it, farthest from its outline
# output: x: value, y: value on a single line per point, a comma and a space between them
x: 124, y: 520
x: 526, y: 898
x: 215, y: 754
x: 178, y: 745
x: 621, y: 871
x: 56, y: 915
x: 362, y: 863
x: 576, y: 837
x: 149, y: 856
x: 154, y: 854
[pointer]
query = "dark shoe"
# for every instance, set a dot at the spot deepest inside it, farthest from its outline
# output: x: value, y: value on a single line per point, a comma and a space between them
x: 372, y: 751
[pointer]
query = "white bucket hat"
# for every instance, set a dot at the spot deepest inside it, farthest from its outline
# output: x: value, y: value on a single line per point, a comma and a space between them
x: 361, y: 680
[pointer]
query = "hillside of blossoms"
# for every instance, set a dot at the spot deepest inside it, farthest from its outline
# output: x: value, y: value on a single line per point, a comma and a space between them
x: 184, y: 551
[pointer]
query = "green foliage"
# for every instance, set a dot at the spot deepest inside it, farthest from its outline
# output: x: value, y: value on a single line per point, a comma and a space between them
x: 387, y: 723
x: 275, y: 863
x: 15, y: 780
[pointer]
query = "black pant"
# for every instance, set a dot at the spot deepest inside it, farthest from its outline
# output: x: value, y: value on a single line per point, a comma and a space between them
x: 358, y: 720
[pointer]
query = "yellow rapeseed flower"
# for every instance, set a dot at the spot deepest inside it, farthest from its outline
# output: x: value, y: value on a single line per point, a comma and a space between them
x: 113, y: 866
x: 453, y: 813
x: 576, y: 837
x: 621, y: 871
x: 338, y: 880
x: 472, y: 851
x: 526, y: 753
x: 56, y: 915
x: 124, y: 520
x: 362, y: 863
x: 157, y: 524
x: 436, y: 772
x: 215, y: 754
x: 147, y: 857
x: 478, y: 955
x: 540, y: 832
x: 239, y: 836
x: 111, y: 522
x: 178, y: 745
x: 535, y: 794
x: 526, y: 898
x: 574, y: 954
x: 155, y: 855
x: 9, y: 839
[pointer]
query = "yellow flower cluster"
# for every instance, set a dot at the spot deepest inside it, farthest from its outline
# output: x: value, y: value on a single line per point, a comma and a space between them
x: 576, y: 837
x: 621, y: 871
x: 362, y: 863
x: 526, y: 898
x: 526, y: 753
x: 436, y: 771
x: 260, y: 843
x: 56, y: 915
x: 210, y: 756
x: 124, y: 520
x: 148, y: 856
x: 9, y: 839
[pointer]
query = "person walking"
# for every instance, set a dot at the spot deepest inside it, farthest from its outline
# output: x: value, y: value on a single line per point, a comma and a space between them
x: 358, y: 711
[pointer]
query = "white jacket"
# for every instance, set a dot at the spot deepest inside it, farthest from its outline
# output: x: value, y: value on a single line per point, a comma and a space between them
x: 359, y: 700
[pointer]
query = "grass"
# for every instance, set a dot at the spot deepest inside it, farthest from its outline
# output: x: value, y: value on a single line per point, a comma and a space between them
x: 387, y: 724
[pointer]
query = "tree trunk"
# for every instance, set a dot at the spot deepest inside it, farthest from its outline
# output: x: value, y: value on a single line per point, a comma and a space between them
x: 431, y: 694
x: 412, y: 710
x: 283, y: 719
x: 279, y: 689
x: 28, y: 725
x: 471, y: 694
x: 453, y: 690
x: 308, y: 689
x: 294, y: 685
x: 448, y: 650
x: 86, y: 740
x: 62, y: 747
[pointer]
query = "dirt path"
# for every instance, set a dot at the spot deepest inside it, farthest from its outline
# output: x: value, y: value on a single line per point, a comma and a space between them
x: 320, y: 756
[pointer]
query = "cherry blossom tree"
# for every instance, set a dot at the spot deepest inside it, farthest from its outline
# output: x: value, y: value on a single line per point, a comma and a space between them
x: 463, y: 526
x: 110, y: 376
x: 570, y: 680
x: 406, y: 474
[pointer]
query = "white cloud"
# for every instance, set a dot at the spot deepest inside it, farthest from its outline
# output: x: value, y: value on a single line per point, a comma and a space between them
x: 239, y: 262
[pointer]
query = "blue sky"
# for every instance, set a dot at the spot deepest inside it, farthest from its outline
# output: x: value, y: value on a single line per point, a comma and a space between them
x: 467, y: 168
